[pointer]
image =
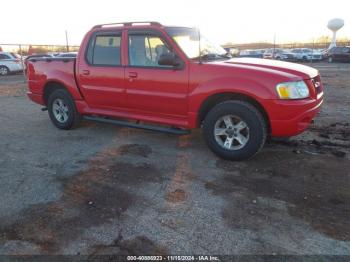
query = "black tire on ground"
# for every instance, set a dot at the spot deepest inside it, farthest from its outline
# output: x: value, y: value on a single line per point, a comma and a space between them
x: 73, y: 118
x: 253, y: 119
x: 4, y: 70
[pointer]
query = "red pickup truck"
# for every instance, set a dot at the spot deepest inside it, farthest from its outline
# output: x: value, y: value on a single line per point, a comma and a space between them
x: 172, y: 79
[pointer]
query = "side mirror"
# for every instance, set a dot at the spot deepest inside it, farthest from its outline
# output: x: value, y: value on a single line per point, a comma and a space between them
x: 169, y: 59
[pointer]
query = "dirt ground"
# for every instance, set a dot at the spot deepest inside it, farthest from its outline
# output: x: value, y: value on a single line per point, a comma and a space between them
x: 102, y: 189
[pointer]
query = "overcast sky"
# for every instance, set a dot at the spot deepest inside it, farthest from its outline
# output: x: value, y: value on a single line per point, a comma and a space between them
x: 45, y: 21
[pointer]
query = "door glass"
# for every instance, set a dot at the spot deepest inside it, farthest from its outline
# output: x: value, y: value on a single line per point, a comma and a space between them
x: 2, y: 57
x: 145, y: 50
x: 105, y: 51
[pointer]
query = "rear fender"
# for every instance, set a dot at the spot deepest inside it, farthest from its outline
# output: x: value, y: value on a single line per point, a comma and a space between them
x: 65, y: 80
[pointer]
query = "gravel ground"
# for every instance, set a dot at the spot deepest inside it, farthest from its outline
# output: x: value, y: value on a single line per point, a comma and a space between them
x: 102, y: 189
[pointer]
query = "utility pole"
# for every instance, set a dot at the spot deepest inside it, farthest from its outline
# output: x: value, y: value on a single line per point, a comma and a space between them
x: 67, y: 46
x: 274, y: 46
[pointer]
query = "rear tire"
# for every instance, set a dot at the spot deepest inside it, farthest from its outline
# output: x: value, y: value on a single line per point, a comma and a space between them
x: 245, y: 137
x: 4, y: 70
x: 62, y: 110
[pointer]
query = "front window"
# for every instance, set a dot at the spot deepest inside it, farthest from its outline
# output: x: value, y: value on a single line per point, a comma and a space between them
x: 145, y: 49
x: 188, y: 40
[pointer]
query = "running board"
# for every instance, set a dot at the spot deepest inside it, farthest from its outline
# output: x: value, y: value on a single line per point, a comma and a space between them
x: 169, y: 130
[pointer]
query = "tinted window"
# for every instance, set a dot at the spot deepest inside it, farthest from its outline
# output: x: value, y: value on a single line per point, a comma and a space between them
x: 104, y: 50
x: 334, y: 50
x: 145, y: 50
x: 337, y: 50
x: 345, y: 50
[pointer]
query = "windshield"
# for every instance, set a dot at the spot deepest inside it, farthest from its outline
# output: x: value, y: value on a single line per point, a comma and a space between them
x: 15, y: 55
x: 188, y: 40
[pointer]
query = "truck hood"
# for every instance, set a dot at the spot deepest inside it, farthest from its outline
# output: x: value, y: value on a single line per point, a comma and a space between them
x: 305, y: 72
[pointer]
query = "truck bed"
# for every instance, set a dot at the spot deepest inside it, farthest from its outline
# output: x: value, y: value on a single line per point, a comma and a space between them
x: 42, y: 71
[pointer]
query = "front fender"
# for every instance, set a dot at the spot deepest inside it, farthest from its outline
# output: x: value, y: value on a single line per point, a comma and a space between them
x: 237, y: 85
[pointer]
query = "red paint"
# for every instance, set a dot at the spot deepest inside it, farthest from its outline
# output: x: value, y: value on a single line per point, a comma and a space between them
x: 175, y: 97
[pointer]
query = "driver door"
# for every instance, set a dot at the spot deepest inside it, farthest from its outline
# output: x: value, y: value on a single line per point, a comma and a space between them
x: 152, y: 88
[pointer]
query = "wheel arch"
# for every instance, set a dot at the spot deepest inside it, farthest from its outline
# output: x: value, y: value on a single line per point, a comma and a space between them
x: 50, y: 87
x: 215, y: 99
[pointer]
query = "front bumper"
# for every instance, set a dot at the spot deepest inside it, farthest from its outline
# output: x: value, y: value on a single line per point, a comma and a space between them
x: 290, y: 118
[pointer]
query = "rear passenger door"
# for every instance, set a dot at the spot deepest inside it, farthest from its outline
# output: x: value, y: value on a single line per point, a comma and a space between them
x: 101, y: 74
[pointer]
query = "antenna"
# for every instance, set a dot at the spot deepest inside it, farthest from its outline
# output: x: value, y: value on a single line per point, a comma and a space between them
x: 199, y: 46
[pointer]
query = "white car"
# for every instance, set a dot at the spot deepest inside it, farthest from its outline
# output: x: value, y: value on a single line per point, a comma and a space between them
x: 69, y: 54
x: 278, y: 54
x: 307, y: 54
x: 10, y: 63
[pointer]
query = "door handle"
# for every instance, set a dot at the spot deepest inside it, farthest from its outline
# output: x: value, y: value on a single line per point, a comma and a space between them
x: 86, y: 72
x: 132, y: 75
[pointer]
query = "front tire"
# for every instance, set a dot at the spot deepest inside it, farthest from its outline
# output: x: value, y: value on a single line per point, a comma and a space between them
x: 62, y: 110
x: 4, y: 70
x: 235, y: 130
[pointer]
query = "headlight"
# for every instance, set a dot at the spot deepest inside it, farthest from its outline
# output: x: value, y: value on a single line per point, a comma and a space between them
x: 292, y: 90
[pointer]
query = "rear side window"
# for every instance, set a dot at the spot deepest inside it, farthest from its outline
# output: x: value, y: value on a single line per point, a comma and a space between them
x: 104, y: 50
x: 3, y: 56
